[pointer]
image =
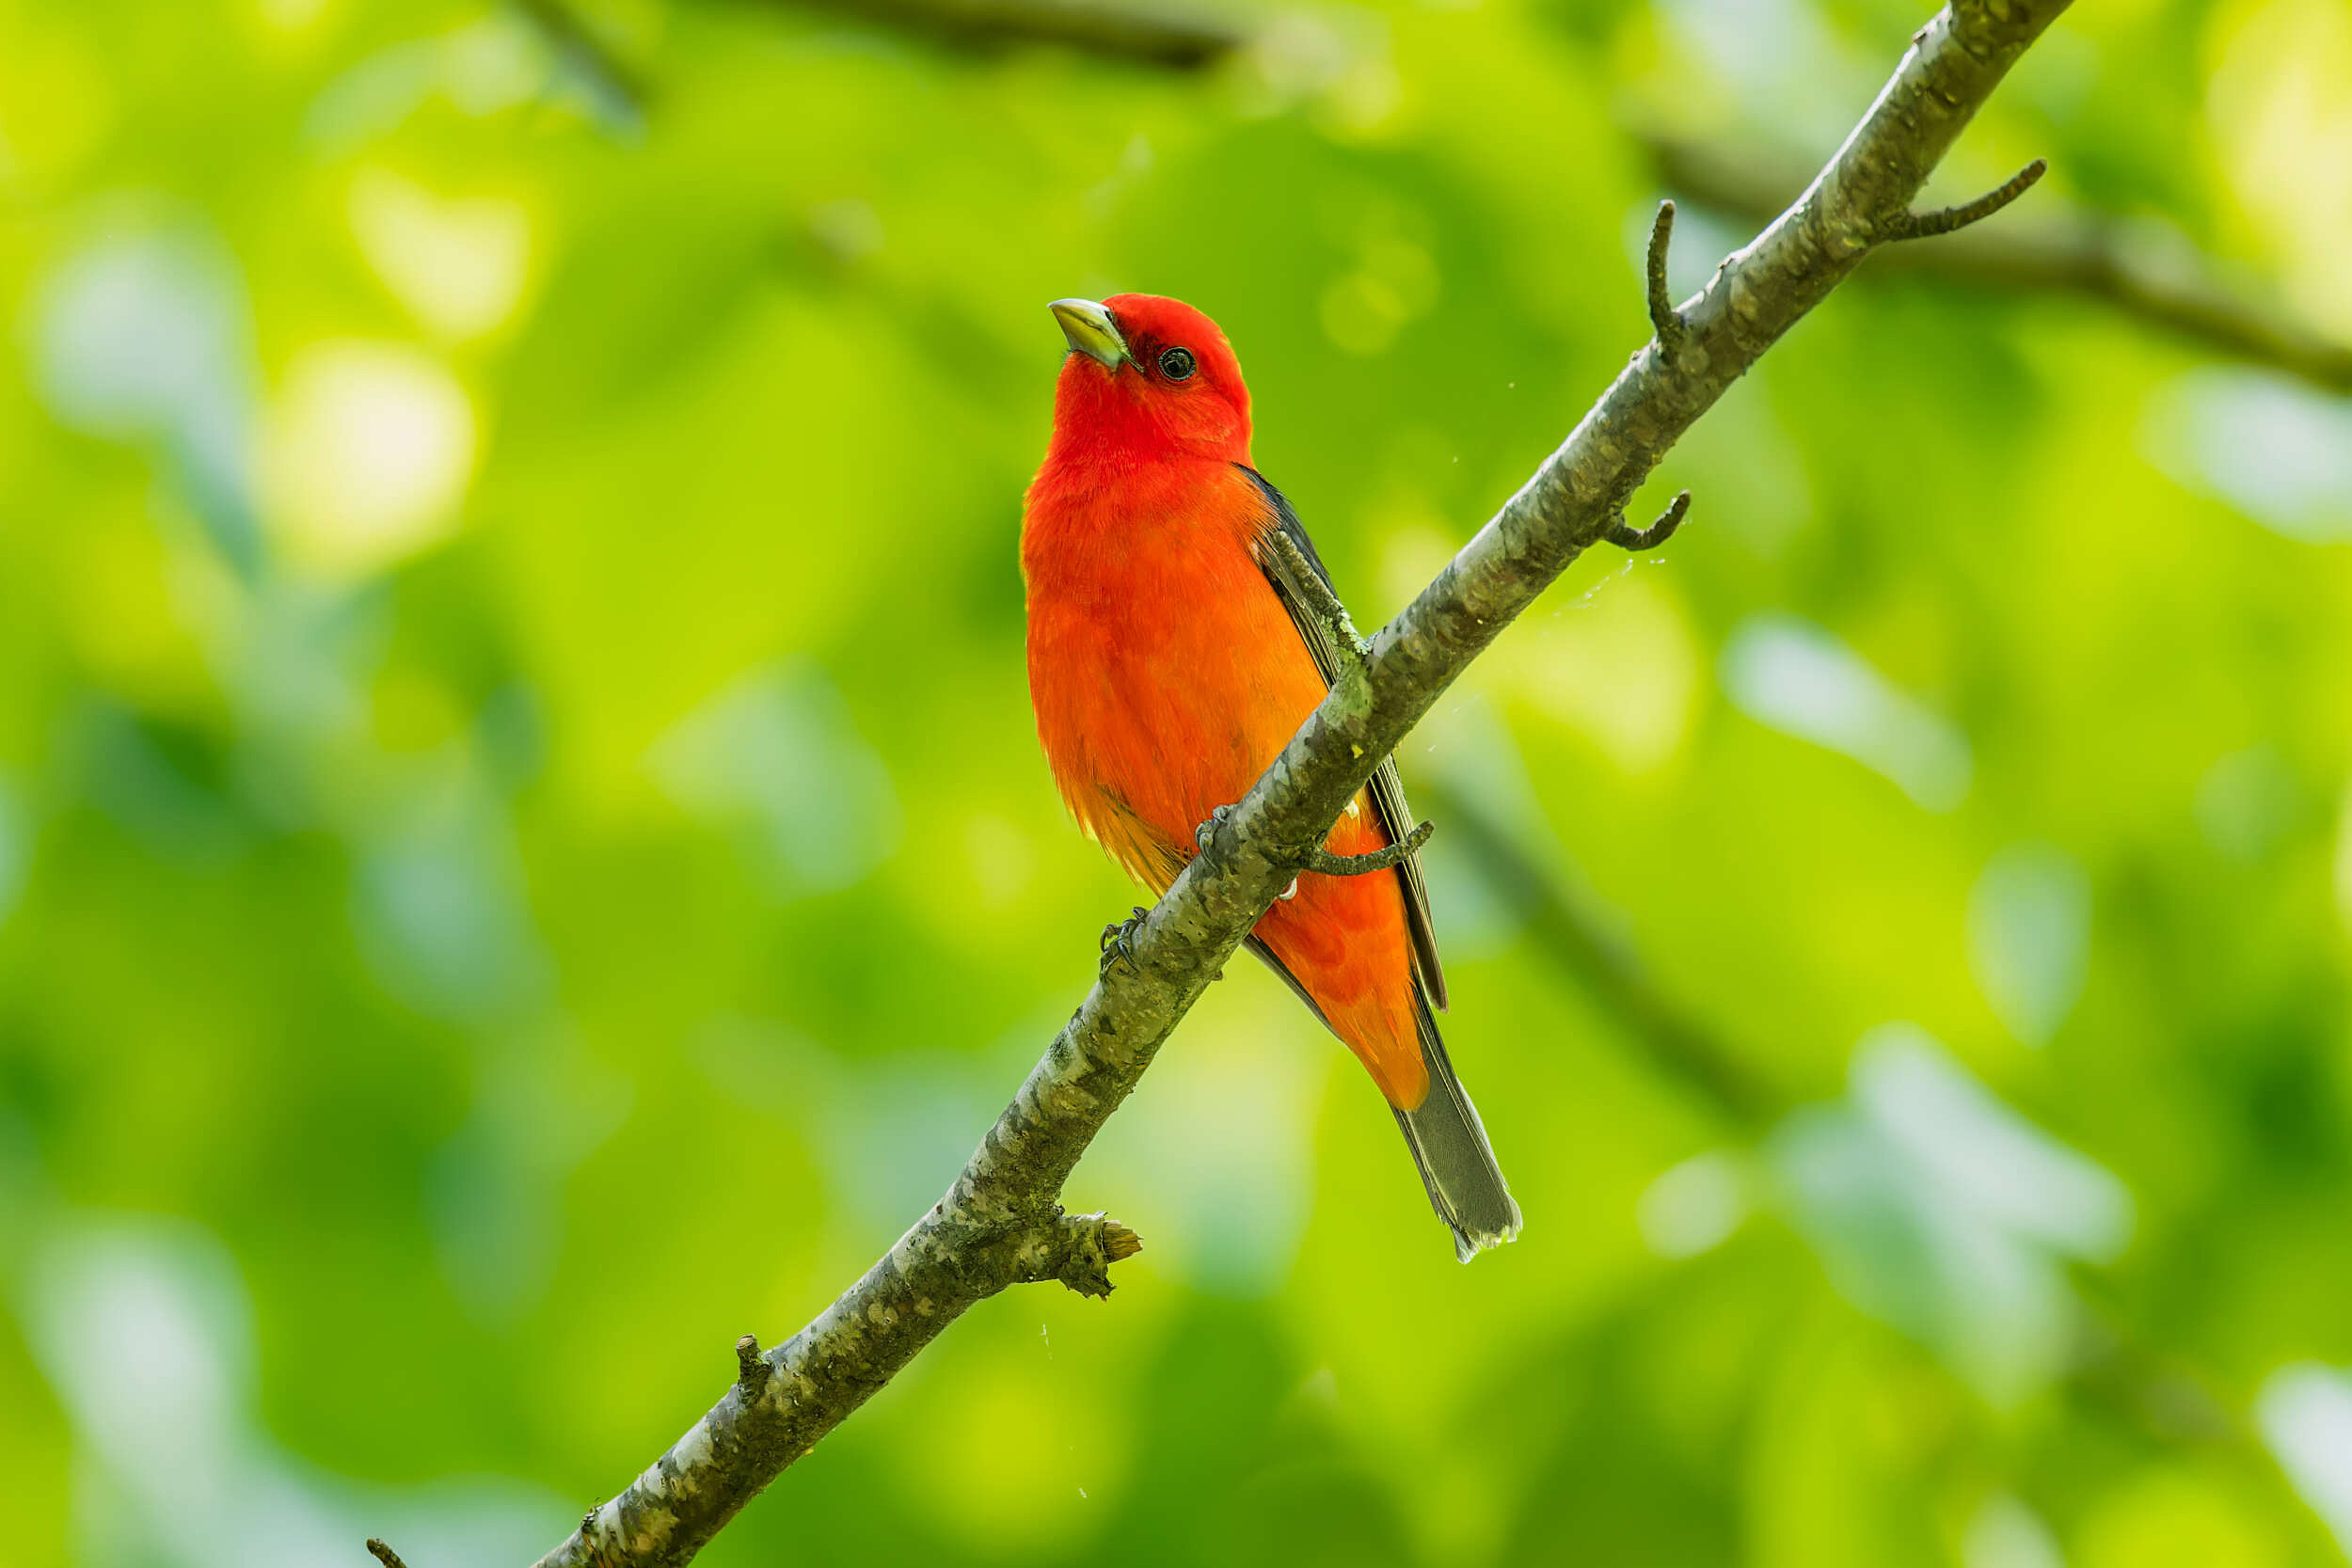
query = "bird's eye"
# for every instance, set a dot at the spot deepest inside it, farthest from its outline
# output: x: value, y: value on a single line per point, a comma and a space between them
x: 1178, y: 364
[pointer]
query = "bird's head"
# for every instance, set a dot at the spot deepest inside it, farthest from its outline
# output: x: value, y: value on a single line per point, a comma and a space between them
x: 1147, y: 377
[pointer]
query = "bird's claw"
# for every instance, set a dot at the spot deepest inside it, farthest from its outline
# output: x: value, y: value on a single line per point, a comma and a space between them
x: 1207, y: 830
x: 1119, y: 938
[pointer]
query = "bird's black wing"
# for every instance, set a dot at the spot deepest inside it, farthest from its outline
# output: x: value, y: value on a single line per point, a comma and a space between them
x: 1388, y: 790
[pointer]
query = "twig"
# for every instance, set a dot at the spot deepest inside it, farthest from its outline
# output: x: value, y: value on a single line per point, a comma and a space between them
x: 1387, y: 858
x: 2081, y: 254
x: 383, y: 1554
x: 752, y: 1370
x: 1626, y: 537
x: 1314, y: 858
x: 1664, y: 320
x: 997, y: 1225
x: 1921, y: 225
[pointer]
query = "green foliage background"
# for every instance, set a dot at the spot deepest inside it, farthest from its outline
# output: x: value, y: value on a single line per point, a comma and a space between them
x: 523, y: 857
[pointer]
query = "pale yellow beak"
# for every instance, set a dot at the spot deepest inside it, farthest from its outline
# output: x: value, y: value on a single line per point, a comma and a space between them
x: 1091, y: 331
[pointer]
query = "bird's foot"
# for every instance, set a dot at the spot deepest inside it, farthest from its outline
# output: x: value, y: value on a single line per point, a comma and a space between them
x: 1119, y: 939
x: 1207, y: 830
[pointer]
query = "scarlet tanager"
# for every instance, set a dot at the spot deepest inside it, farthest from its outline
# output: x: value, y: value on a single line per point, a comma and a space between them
x: 1170, y: 660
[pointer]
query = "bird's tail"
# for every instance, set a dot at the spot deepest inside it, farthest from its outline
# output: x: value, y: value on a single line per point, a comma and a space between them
x: 1458, y: 1164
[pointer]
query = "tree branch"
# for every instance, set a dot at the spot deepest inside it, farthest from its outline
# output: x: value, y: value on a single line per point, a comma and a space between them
x: 2091, y: 257
x: 1606, y: 968
x: 583, y: 50
x: 1179, y: 38
x: 1000, y: 1224
x: 2078, y: 253
x: 2110, y: 1367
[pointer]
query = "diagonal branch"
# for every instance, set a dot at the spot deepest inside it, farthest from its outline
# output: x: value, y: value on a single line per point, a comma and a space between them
x: 583, y: 49
x: 1000, y: 1222
x: 2111, y: 1368
x: 1606, y: 970
x: 1176, y: 37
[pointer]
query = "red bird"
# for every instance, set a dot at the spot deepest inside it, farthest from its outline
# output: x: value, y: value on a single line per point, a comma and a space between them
x: 1171, y: 659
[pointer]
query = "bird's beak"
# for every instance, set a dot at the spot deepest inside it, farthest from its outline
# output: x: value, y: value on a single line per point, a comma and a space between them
x: 1091, y: 331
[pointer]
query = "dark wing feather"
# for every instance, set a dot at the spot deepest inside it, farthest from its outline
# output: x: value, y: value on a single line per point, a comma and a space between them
x: 1388, y: 790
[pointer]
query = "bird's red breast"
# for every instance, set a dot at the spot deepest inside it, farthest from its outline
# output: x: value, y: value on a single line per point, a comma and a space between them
x: 1166, y: 671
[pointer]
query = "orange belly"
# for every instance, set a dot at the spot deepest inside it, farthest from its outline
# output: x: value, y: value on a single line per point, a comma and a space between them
x: 1167, y: 675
